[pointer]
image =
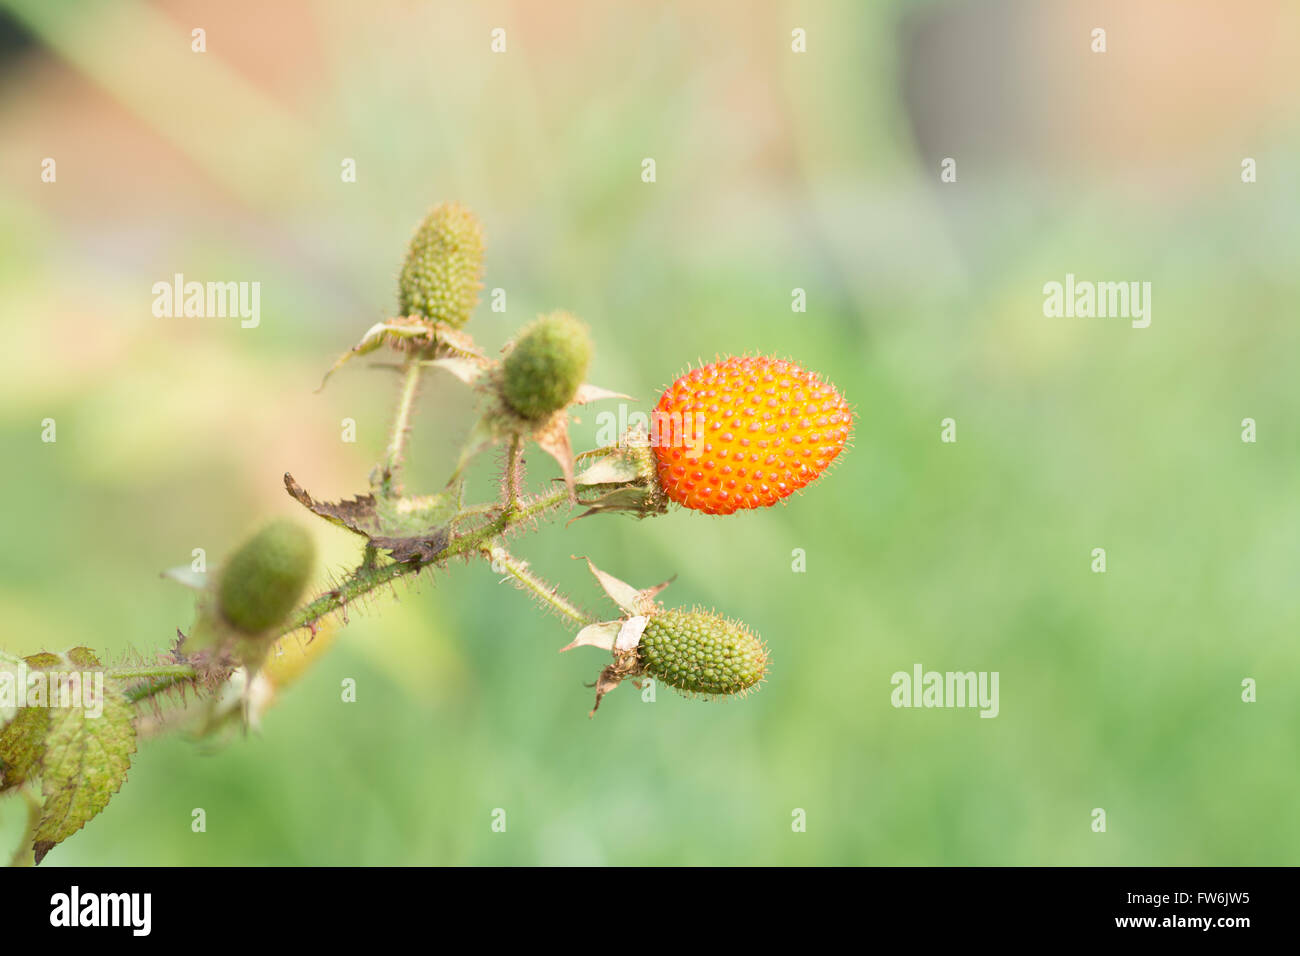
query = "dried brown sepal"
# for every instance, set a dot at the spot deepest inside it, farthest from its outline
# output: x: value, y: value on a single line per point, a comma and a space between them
x: 412, y: 333
x: 624, y: 665
x: 357, y: 515
x: 552, y: 437
x: 416, y: 549
x: 360, y: 516
x: 595, y: 393
x: 620, y: 478
x: 448, y: 342
x: 633, y: 601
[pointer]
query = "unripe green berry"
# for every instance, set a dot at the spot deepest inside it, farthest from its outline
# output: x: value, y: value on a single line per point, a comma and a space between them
x: 262, y: 581
x: 700, y: 652
x: 548, y: 363
x: 443, y: 271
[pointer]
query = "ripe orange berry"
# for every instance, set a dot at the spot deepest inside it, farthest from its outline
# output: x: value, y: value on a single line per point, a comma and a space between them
x: 746, y: 432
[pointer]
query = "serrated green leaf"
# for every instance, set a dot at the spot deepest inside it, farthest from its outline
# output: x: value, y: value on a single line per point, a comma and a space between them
x: 82, y: 657
x: 85, y: 763
x: 22, y: 743
x: 11, y: 694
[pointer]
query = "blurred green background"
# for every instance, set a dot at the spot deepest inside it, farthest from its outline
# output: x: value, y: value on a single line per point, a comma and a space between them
x: 775, y: 170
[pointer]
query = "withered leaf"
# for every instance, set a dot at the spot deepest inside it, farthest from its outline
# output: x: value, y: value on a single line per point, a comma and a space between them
x: 357, y: 515
x: 418, y: 549
x: 10, y: 674
x: 22, y: 742
x: 397, y: 329
x: 361, y: 516
x: 413, y: 332
x: 553, y: 438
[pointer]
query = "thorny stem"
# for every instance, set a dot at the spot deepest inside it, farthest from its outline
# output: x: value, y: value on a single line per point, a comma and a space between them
x: 364, y: 580
x: 512, y: 472
x: 156, y: 677
x: 532, y: 509
x: 180, y: 674
x: 370, y: 575
x: 359, y: 583
x: 547, y: 594
x: 401, y: 425
x: 182, y: 671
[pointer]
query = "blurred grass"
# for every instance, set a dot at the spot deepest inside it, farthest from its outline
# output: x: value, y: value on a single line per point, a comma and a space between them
x: 1118, y: 691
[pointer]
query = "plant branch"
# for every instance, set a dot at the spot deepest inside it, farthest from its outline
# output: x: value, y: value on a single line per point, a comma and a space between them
x: 513, y: 467
x: 157, y: 678
x: 181, y: 671
x: 545, y: 593
x: 359, y: 583
x: 401, y: 426
x: 366, y: 579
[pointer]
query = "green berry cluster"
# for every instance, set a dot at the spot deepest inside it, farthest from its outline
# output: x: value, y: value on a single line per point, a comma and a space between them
x: 548, y: 363
x: 443, y: 272
x: 701, y: 653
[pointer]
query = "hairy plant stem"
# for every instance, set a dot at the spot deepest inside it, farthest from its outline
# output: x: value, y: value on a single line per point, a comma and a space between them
x: 357, y: 584
x: 513, y: 467
x: 545, y: 593
x: 487, y: 523
x: 156, y: 678
x: 401, y: 425
x: 366, y: 579
x: 181, y: 671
